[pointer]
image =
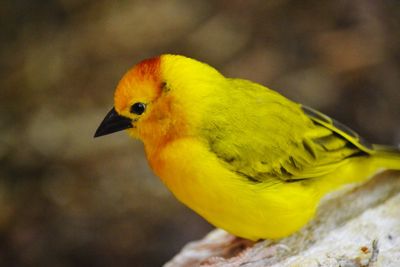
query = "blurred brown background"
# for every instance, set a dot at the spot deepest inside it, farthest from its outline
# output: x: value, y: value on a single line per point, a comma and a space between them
x: 67, y: 199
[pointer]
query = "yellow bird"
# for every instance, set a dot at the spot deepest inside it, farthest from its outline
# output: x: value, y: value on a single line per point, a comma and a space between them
x: 244, y: 157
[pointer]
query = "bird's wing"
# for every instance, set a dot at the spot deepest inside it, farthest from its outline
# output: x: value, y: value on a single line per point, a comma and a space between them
x: 321, y: 153
x: 320, y: 148
x: 341, y: 130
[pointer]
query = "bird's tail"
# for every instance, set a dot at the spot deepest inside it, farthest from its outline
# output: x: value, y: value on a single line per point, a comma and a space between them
x: 387, y: 157
x: 360, y: 169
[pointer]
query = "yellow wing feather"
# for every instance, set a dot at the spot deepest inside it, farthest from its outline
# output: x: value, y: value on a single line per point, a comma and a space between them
x: 315, y: 144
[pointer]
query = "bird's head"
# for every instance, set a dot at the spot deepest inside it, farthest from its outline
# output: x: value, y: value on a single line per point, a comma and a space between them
x: 161, y: 97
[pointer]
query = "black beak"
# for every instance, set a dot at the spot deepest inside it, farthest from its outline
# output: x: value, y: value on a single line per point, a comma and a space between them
x: 113, y: 122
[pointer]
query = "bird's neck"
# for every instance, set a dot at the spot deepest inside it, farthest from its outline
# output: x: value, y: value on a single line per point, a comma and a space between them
x: 156, y: 140
x: 162, y: 127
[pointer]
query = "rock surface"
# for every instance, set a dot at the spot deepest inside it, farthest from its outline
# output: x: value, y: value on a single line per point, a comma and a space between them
x: 354, y: 227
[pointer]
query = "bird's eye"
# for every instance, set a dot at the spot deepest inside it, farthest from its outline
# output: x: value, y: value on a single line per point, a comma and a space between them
x: 138, y: 108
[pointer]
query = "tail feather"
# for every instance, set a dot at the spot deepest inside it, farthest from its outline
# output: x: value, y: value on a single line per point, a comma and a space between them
x: 388, y: 157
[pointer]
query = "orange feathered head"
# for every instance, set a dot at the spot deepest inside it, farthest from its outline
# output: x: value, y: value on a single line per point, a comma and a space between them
x: 159, y: 98
x: 142, y: 84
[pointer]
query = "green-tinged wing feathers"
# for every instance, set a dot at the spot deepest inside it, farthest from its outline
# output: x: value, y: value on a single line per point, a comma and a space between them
x: 339, y: 128
x: 280, y: 140
x: 328, y: 144
x: 323, y: 146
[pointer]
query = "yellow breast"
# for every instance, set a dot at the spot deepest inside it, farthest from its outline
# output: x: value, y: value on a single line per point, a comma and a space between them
x: 245, y: 208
